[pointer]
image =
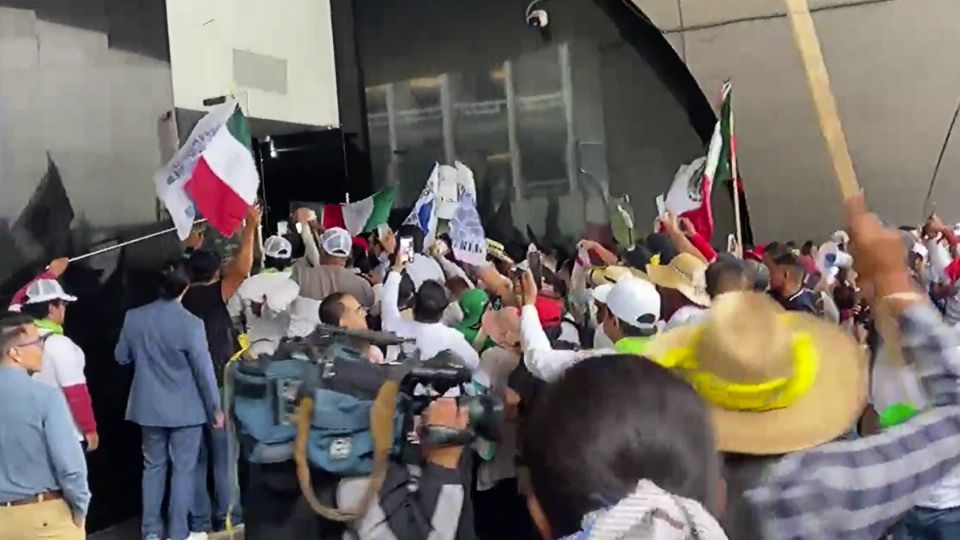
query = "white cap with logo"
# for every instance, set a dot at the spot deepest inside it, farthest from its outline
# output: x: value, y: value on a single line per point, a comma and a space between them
x: 47, y: 290
x: 337, y: 242
x: 277, y: 247
x: 635, y: 302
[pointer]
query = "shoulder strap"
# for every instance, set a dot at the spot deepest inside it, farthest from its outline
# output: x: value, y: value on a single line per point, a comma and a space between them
x: 381, y: 428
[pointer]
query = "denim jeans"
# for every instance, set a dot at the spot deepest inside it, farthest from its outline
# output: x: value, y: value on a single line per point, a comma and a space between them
x: 213, y: 451
x: 929, y: 524
x: 163, y: 448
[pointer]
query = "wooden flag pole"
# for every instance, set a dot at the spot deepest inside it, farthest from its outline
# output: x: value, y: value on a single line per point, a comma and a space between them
x: 805, y: 38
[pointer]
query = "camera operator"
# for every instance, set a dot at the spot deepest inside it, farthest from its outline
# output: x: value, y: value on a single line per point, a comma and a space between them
x: 414, y: 502
x: 430, y: 500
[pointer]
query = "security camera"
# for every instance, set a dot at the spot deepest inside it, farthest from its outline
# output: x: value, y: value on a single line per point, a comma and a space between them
x: 537, y: 18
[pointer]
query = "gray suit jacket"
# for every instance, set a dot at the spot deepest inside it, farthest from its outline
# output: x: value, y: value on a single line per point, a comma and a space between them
x: 173, y: 382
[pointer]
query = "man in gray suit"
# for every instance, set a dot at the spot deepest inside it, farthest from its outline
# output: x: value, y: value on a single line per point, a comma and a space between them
x: 174, y: 393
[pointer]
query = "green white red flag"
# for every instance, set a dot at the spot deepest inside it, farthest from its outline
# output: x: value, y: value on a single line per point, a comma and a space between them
x: 213, y: 174
x: 360, y: 216
x: 689, y: 195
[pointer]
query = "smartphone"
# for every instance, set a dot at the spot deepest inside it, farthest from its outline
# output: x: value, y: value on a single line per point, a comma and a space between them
x: 535, y: 263
x: 405, y: 250
x: 283, y: 227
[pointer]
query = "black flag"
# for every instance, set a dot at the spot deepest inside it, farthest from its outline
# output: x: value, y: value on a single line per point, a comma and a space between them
x: 43, y: 227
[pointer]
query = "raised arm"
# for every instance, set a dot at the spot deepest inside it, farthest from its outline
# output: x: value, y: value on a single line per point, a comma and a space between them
x: 54, y: 270
x: 858, y: 489
x: 239, y: 268
x: 608, y: 257
x: 311, y: 251
x: 389, y: 310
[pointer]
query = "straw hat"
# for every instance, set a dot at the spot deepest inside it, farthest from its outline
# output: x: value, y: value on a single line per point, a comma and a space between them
x: 604, y: 275
x: 503, y: 327
x: 685, y: 274
x: 777, y: 382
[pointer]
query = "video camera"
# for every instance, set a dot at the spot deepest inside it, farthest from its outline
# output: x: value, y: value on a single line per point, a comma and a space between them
x: 331, y: 368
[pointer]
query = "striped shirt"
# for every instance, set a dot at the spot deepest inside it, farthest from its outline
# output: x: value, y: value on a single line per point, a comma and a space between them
x: 858, y: 489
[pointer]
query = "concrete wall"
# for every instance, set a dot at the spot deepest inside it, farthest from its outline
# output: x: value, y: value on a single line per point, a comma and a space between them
x: 277, y: 57
x: 894, y: 74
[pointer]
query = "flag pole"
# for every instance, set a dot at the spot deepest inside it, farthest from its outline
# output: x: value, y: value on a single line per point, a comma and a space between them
x: 807, y: 43
x: 736, y: 179
x: 129, y: 242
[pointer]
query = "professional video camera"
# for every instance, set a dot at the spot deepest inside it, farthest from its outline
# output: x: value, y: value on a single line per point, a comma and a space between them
x: 329, y: 373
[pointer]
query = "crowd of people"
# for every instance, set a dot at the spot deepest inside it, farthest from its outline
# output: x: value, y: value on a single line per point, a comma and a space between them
x: 660, y: 390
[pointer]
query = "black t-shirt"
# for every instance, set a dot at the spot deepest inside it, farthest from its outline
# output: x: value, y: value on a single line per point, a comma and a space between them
x: 803, y: 300
x: 206, y: 302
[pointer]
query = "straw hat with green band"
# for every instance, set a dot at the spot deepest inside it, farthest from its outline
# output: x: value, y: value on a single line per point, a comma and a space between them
x: 776, y: 382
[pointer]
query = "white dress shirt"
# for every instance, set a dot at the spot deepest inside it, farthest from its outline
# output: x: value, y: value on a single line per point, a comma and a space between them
x: 430, y: 338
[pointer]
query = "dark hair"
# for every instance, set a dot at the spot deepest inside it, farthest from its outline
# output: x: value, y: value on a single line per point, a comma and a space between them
x: 413, y: 232
x: 457, y: 285
x: 275, y: 263
x: 791, y: 245
x: 430, y: 302
x: 630, y: 330
x: 790, y: 261
x: 408, y: 290
x: 203, y: 265
x: 726, y: 275
x: 662, y: 244
x: 637, y: 256
x: 807, y: 248
x: 609, y: 422
x: 173, y: 280
x: 39, y: 310
x: 297, y: 248
x: 360, y: 260
x: 11, y: 327
x: 758, y: 274
x: 774, y: 250
x: 332, y: 308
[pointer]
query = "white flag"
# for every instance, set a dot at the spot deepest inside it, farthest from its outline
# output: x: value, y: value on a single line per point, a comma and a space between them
x: 466, y: 232
x: 424, y: 213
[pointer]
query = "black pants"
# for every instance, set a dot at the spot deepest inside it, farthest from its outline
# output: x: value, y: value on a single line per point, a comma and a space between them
x: 274, y: 507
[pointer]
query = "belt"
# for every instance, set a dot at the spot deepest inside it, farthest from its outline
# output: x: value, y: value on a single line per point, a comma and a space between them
x: 48, y: 496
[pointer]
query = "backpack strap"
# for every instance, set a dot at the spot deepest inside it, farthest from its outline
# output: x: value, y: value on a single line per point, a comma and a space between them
x: 382, y: 414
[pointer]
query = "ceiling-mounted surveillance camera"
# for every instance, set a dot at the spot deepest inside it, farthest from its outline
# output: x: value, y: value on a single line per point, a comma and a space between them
x: 537, y: 18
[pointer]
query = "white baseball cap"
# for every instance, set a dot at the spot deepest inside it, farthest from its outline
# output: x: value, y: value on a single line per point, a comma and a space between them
x: 600, y: 292
x: 636, y: 302
x: 337, y: 242
x: 47, y: 290
x: 277, y: 247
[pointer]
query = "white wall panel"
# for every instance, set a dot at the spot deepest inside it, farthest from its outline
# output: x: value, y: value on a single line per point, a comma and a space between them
x: 295, y: 33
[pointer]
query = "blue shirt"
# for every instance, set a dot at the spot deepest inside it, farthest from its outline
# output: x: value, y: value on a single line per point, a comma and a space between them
x: 39, y: 451
x: 173, y: 382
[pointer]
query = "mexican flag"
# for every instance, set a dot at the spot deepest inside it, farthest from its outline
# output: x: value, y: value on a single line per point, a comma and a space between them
x: 225, y: 181
x: 361, y: 216
x: 689, y: 195
x: 213, y: 173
